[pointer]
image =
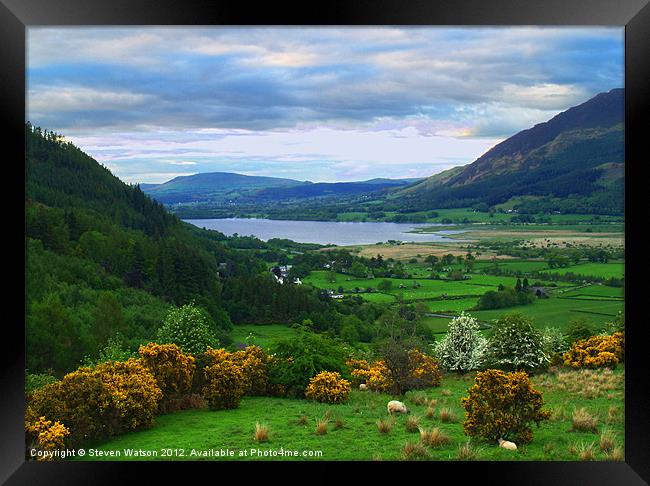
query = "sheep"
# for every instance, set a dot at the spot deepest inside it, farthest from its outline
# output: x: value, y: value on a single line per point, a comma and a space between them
x: 363, y: 386
x: 395, y: 406
x: 511, y: 446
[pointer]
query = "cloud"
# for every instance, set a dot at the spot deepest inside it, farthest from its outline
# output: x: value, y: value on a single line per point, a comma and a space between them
x: 370, y: 99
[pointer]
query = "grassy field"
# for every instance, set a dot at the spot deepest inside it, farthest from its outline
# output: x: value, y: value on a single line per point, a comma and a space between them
x: 352, y: 432
x: 557, y: 312
x: 602, y: 270
x: 263, y: 336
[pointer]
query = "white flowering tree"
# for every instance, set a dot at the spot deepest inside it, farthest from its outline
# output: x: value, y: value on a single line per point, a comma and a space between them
x: 516, y: 345
x: 189, y: 327
x: 463, y: 348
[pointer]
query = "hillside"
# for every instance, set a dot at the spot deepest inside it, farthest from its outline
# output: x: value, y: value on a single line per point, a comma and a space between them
x: 223, y: 187
x: 105, y: 261
x: 577, y: 155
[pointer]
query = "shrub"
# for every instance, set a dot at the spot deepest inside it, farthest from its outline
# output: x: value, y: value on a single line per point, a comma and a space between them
x: 99, y: 402
x: 328, y: 387
x: 596, y: 352
x: 424, y: 370
x: 554, y: 344
x: 516, y: 345
x: 579, y: 329
x: 190, y: 328
x: 463, y: 347
x: 44, y: 435
x: 172, y: 369
x: 224, y: 385
x: 375, y: 375
x: 297, y: 360
x: 503, y: 405
x: 254, y: 363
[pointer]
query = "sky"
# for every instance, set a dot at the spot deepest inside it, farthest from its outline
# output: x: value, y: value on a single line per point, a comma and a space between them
x: 321, y: 103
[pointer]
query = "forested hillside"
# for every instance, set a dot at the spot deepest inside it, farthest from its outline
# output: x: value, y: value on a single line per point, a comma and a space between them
x: 103, y: 260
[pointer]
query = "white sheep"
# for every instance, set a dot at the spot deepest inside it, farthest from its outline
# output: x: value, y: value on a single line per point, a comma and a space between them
x: 397, y: 407
x: 363, y: 386
x: 506, y: 444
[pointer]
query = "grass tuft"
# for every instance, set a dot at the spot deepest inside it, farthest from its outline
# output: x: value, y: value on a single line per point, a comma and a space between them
x: 434, y: 437
x: 583, y: 421
x: 586, y: 452
x: 321, y: 426
x: 447, y: 416
x: 607, y: 441
x: 412, y: 423
x: 467, y: 452
x: 384, y: 425
x: 261, y: 433
x: 414, y: 451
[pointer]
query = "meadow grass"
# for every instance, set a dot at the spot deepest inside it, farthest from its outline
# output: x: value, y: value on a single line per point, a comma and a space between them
x: 360, y: 439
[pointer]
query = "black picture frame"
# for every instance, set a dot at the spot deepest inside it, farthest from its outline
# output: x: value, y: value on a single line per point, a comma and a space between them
x: 17, y: 15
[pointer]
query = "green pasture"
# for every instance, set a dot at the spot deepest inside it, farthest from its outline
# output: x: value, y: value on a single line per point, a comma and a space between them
x: 263, y: 335
x: 599, y: 270
x: 558, y: 312
x: 352, y: 432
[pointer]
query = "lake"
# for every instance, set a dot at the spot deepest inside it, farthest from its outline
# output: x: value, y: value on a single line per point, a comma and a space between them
x: 323, y: 232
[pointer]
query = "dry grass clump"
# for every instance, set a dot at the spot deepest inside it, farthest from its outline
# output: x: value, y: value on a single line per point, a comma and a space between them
x: 614, y: 415
x: 431, y: 402
x: 385, y: 425
x: 445, y: 393
x: 558, y: 414
x: 419, y: 399
x: 414, y: 451
x: 434, y: 437
x: 339, y: 423
x: 431, y: 412
x: 412, y: 423
x: 583, y: 421
x: 321, y: 426
x: 586, y: 452
x: 607, y: 441
x: 377, y: 457
x: 467, y: 452
x: 588, y: 383
x: 261, y: 433
x: 615, y: 455
x: 447, y: 415
x: 302, y: 420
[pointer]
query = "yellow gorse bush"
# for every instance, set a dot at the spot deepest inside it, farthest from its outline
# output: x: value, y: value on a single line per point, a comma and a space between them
x: 46, y: 436
x: 99, y: 402
x: 424, y: 368
x: 376, y: 374
x: 172, y: 369
x: 224, y: 385
x: 328, y: 387
x: 504, y: 405
x: 254, y: 363
x: 596, y: 352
